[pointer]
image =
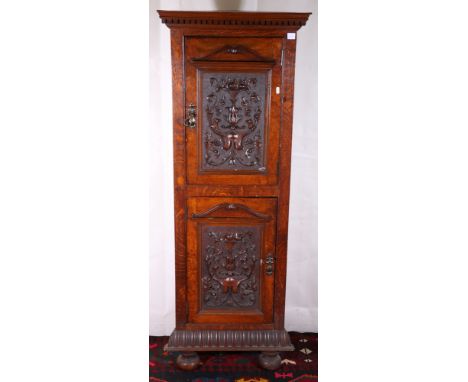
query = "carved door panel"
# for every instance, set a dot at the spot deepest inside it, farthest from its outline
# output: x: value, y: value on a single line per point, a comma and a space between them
x: 230, y: 260
x: 234, y: 136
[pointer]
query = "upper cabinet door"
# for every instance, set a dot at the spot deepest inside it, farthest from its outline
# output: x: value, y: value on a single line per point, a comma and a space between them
x: 235, y: 87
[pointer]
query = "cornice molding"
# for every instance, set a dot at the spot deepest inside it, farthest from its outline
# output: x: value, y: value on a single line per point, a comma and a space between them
x: 230, y: 19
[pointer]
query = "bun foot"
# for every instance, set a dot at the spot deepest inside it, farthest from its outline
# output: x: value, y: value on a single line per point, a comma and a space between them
x: 188, y: 361
x: 269, y: 360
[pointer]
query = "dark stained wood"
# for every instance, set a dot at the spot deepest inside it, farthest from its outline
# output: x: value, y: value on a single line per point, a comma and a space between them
x: 269, y: 360
x: 229, y: 340
x: 291, y: 21
x: 229, y: 326
x: 229, y: 208
x: 188, y: 361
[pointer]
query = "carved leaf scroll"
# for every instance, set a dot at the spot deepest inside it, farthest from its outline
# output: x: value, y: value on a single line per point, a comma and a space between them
x: 233, y: 121
x: 230, y: 269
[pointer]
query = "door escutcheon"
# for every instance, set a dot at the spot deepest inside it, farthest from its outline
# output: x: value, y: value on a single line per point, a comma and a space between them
x: 191, y: 120
x: 269, y: 267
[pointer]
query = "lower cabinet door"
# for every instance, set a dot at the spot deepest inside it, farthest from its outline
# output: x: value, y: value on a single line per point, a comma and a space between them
x: 230, y: 260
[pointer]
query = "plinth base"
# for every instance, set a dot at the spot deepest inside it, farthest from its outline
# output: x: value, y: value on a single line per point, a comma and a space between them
x: 229, y: 340
x: 269, y: 342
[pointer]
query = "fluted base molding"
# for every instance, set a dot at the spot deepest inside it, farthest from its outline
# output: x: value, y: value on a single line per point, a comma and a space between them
x: 229, y: 340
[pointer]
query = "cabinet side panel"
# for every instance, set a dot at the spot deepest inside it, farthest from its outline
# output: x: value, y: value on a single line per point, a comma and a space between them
x: 289, y: 47
x: 179, y: 174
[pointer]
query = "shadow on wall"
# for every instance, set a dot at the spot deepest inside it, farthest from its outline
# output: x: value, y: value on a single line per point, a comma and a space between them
x: 227, y: 5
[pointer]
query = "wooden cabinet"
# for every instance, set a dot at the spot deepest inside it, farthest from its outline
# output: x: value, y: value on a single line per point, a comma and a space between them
x: 233, y: 78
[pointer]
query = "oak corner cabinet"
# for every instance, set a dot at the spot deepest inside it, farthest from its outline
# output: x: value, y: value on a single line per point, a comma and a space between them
x: 233, y: 86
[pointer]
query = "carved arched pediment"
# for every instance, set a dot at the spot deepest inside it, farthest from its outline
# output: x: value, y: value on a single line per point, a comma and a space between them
x: 230, y: 207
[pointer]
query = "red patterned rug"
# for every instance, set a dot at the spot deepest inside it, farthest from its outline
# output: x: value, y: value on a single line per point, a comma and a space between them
x: 299, y: 365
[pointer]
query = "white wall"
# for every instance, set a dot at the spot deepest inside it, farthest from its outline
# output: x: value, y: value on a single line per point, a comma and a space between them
x: 301, y: 295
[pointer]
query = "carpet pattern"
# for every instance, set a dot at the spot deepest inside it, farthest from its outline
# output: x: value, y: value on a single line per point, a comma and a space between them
x: 299, y: 365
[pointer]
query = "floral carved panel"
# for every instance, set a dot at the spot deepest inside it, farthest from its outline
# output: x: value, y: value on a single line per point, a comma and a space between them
x: 233, y: 122
x: 230, y: 259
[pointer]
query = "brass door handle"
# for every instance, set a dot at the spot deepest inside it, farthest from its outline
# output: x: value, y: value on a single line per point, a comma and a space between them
x: 191, y: 113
